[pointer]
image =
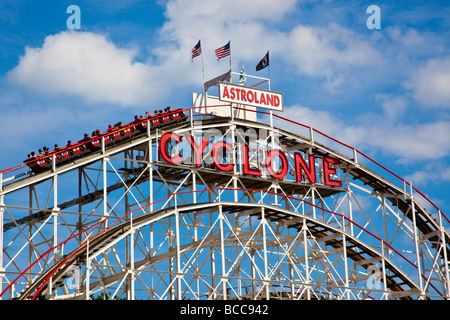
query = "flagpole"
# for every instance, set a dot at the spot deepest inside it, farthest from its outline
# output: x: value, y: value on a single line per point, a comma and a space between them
x: 268, y: 75
x: 231, y: 105
x: 230, y: 54
x: 203, y: 69
x: 203, y: 72
x: 268, y: 70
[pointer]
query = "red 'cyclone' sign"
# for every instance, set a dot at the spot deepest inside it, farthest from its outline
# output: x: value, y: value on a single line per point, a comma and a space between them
x: 303, y: 170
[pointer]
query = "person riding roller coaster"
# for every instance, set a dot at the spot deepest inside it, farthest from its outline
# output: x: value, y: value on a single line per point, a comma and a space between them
x: 113, y: 134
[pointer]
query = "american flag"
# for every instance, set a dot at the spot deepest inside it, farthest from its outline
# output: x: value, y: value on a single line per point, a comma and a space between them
x: 196, y: 51
x: 223, y: 51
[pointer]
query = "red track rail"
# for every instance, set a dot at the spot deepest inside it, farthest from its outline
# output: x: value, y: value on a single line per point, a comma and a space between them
x: 192, y: 110
x: 63, y: 262
x: 122, y: 131
x: 354, y: 150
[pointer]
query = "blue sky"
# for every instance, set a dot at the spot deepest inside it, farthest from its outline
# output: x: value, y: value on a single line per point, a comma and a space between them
x: 385, y: 92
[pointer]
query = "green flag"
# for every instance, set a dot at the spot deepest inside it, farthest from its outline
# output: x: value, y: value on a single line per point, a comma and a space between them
x: 242, y: 76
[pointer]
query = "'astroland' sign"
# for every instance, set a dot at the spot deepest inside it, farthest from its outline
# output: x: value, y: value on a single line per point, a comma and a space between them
x: 233, y: 93
x: 272, y: 163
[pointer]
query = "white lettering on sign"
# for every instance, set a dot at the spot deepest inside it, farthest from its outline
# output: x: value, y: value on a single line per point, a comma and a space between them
x: 233, y: 93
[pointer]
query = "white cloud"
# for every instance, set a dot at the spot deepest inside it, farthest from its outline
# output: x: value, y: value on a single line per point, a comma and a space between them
x: 407, y: 142
x: 247, y: 24
x: 325, y: 51
x: 318, y: 51
x: 228, y: 11
x: 430, y: 83
x: 86, y: 65
x: 430, y: 173
x: 393, y: 106
x: 409, y: 37
x: 89, y: 66
x: 412, y: 142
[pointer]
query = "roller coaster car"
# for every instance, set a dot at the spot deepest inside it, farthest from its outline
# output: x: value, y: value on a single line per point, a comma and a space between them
x: 78, y: 149
x: 177, y: 114
x: 94, y: 144
x: 127, y: 130
x: 171, y: 116
x: 116, y: 135
x: 166, y: 118
x: 155, y: 122
x: 41, y: 164
x: 65, y: 153
x: 38, y: 163
x: 107, y: 139
x: 31, y: 163
x: 141, y: 126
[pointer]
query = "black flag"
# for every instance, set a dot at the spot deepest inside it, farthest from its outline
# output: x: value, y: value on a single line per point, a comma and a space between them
x: 263, y: 63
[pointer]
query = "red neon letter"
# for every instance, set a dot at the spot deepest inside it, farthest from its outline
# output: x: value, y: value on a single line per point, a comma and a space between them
x: 269, y: 99
x: 276, y: 101
x: 198, y: 150
x: 327, y: 170
x: 256, y: 97
x: 215, y: 151
x: 246, y: 166
x: 300, y: 166
x: 232, y: 93
x: 243, y: 93
x: 225, y: 92
x: 163, y: 142
x: 263, y: 99
x: 284, y: 164
x: 250, y: 96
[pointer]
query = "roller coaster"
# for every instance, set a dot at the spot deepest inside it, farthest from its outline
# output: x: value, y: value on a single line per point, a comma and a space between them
x: 115, y: 134
x: 186, y: 205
